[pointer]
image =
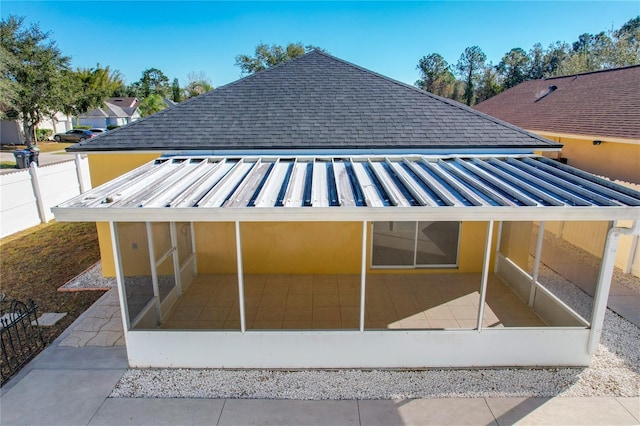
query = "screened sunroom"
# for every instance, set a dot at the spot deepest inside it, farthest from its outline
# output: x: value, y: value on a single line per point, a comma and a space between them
x: 369, y: 261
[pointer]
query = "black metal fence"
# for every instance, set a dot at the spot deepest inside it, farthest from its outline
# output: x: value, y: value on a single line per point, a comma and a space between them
x: 20, y: 336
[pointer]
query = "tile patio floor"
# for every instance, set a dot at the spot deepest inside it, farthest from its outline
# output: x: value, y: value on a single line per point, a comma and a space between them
x: 406, y: 301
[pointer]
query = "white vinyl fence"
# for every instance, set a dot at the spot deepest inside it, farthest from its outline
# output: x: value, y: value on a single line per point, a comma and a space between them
x: 28, y: 194
x: 591, y: 236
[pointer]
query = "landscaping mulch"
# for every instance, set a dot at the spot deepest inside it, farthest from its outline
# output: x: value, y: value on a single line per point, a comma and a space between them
x: 36, y: 262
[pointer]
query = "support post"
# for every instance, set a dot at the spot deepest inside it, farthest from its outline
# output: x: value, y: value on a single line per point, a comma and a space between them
x: 485, y: 274
x: 115, y: 246
x: 536, y: 264
x: 78, y: 161
x: 499, y: 240
x: 176, y: 257
x: 193, y: 248
x: 154, y: 273
x: 633, y: 248
x: 363, y: 275
x: 35, y: 182
x: 243, y: 324
x: 604, y: 283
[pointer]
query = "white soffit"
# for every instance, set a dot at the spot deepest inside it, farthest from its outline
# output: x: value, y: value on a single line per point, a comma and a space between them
x: 353, y: 188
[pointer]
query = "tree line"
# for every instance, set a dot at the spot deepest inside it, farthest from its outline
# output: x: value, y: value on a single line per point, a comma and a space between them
x: 472, y: 80
x: 36, y: 79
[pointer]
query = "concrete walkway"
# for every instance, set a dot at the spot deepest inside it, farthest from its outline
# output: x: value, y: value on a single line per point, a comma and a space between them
x: 69, y: 384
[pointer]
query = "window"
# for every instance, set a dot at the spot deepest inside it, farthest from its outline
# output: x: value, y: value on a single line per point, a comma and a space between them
x: 415, y: 244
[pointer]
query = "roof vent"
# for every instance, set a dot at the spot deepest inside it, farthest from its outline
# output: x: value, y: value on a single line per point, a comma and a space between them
x: 552, y: 88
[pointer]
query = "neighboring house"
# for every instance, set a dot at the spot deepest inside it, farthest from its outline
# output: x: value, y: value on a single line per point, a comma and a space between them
x: 115, y: 112
x: 317, y: 214
x: 596, y: 116
x: 11, y: 132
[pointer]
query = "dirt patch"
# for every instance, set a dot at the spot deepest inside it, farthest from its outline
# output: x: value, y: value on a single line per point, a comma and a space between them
x: 36, y: 262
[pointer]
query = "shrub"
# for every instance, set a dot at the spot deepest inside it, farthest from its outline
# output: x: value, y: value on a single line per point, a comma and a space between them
x: 82, y: 127
x: 44, y: 134
x: 112, y: 126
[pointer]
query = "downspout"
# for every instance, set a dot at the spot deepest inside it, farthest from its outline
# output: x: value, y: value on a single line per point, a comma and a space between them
x: 604, y: 282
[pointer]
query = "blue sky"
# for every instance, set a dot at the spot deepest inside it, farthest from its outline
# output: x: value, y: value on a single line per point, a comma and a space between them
x: 386, y: 37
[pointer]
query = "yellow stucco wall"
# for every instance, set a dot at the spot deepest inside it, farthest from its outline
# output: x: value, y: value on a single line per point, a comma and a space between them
x: 516, y: 237
x: 311, y: 248
x: 103, y: 168
x: 615, y: 160
x: 292, y: 248
x: 272, y: 247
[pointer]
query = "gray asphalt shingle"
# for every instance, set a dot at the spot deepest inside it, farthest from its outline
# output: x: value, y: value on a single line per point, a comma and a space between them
x: 315, y: 102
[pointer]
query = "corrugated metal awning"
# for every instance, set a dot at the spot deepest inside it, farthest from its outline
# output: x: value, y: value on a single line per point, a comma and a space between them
x: 330, y: 188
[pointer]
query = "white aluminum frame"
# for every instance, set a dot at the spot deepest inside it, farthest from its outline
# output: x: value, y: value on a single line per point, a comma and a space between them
x: 551, y: 346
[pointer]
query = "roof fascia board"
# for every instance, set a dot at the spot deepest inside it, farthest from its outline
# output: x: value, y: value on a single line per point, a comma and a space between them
x: 345, y: 214
x: 329, y: 152
x: 547, y: 133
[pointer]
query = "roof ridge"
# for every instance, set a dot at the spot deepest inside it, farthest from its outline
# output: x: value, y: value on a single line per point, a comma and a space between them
x: 590, y: 72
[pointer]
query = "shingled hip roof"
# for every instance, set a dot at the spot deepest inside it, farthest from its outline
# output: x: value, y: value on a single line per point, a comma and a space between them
x: 316, y: 102
x: 599, y: 104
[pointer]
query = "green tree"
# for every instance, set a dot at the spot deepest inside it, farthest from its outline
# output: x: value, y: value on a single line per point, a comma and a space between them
x: 488, y: 85
x: 8, y: 87
x: 87, y: 88
x: 36, y: 72
x: 436, y: 75
x: 153, y: 81
x: 605, y: 50
x: 176, y: 91
x: 514, y: 67
x: 626, y: 41
x: 152, y: 104
x: 470, y: 66
x: 629, y: 30
x: 554, y: 56
x: 536, y: 62
x: 266, y: 56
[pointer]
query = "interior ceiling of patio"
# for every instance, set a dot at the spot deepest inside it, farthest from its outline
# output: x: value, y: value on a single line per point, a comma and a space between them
x: 359, y: 188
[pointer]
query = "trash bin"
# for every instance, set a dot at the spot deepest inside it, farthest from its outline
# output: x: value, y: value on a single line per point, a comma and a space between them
x: 23, y: 158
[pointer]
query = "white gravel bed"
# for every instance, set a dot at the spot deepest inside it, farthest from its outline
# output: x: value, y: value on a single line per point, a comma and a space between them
x: 614, y: 371
x: 90, y: 279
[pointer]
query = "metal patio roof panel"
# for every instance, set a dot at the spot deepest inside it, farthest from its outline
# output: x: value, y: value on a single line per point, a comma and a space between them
x: 364, y: 188
x: 315, y: 102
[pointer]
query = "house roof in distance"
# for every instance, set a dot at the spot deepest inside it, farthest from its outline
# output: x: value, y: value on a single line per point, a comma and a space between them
x: 602, y: 103
x: 316, y: 102
x: 122, y: 102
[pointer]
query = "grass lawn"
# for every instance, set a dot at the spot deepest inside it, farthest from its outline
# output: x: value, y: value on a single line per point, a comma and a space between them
x: 7, y: 164
x: 47, y: 146
x: 35, y: 262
